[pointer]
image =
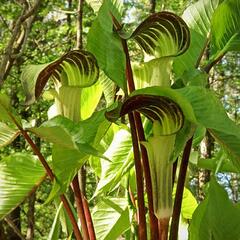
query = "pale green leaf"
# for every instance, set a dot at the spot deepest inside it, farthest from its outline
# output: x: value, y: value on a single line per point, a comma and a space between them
x: 20, y: 174
x: 226, y: 27
x: 121, y: 157
x: 198, y: 17
x: 111, y: 218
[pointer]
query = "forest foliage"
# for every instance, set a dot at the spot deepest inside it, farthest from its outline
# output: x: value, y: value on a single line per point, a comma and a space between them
x: 117, y: 123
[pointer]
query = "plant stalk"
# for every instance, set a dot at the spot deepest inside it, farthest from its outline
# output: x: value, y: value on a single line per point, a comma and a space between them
x: 141, y: 138
x: 179, y: 191
x: 52, y: 177
x: 137, y: 124
x: 80, y: 210
x: 142, y: 228
x: 88, y: 217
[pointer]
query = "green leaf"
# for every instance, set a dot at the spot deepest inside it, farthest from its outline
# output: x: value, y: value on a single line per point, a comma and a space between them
x: 120, y: 154
x: 106, y: 45
x: 189, y: 203
x: 56, y: 131
x: 162, y: 34
x: 62, y: 159
x: 90, y: 98
x: 76, y: 68
x: 111, y: 218
x: 210, y: 114
x: 198, y: 17
x: 226, y: 27
x: 20, y: 174
x: 7, y: 134
x: 216, y: 217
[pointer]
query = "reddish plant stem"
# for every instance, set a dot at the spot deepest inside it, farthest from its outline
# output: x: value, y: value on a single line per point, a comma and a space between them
x: 52, y: 177
x: 142, y: 228
x: 179, y: 191
x: 141, y: 138
x: 80, y: 210
x: 152, y: 218
x: 140, y: 132
x: 163, y: 228
x: 88, y: 219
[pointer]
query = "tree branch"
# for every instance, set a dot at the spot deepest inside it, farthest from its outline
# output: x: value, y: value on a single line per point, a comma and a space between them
x: 8, y: 58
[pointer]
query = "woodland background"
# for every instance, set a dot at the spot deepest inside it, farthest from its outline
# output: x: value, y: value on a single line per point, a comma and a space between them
x: 50, y: 29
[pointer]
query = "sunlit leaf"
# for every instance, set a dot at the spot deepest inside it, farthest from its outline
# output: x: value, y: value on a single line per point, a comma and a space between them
x: 198, y: 18
x: 121, y: 156
x: 20, y: 174
x: 111, y: 218
x: 226, y: 27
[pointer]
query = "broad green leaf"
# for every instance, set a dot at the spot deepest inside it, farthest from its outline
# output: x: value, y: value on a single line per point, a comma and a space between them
x: 198, y: 18
x: 216, y: 217
x: 20, y: 174
x: 56, y: 131
x: 226, y: 27
x: 109, y: 88
x: 121, y: 157
x: 105, y: 43
x: 210, y: 114
x: 75, y: 68
x: 110, y: 218
x: 73, y: 144
x: 162, y: 34
x: 198, y: 15
x: 189, y: 204
x: 7, y: 134
x: 66, y: 163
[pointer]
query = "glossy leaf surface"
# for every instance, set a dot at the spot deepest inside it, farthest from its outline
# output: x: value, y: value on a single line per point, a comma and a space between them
x: 20, y: 174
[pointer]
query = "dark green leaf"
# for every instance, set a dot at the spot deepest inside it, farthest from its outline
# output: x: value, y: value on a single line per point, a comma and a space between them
x: 106, y: 45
